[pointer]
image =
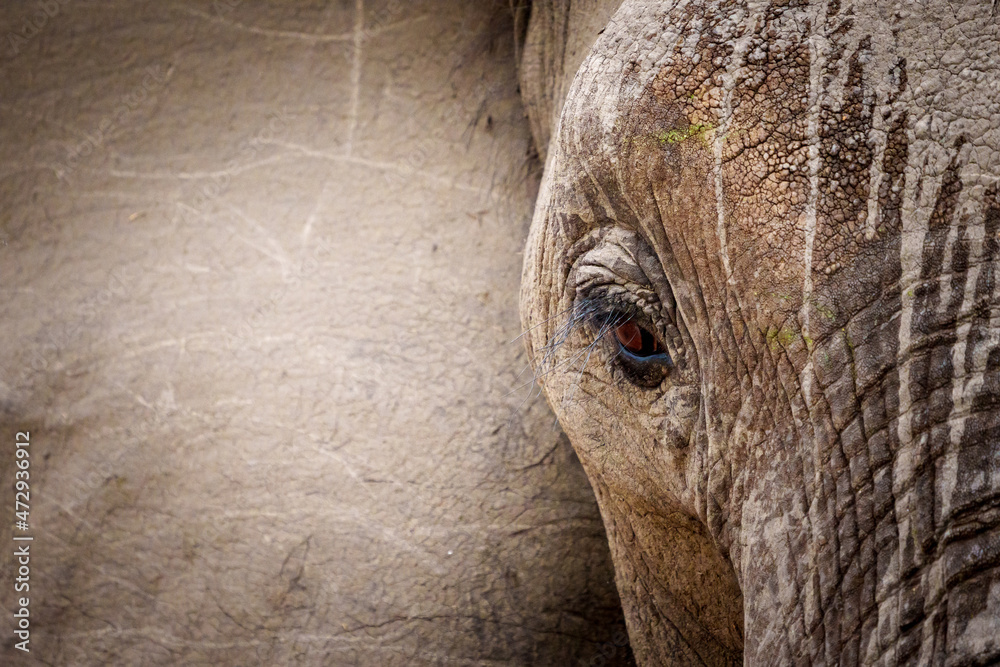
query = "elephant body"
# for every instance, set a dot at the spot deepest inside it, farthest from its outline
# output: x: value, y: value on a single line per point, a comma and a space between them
x: 797, y: 205
x: 258, y: 281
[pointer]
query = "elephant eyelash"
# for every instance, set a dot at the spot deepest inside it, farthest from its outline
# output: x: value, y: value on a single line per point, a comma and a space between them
x: 581, y: 314
x: 603, y: 316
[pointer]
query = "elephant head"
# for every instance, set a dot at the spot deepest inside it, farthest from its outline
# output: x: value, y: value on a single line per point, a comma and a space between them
x: 760, y: 293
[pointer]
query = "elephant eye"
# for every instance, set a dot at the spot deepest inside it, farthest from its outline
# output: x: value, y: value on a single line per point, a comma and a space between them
x: 635, y: 349
x: 636, y: 340
x: 637, y: 352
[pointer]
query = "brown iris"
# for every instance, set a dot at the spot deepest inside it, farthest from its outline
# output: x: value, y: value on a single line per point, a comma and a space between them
x: 636, y: 340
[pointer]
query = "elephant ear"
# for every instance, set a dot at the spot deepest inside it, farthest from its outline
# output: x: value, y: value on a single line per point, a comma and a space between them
x: 560, y: 35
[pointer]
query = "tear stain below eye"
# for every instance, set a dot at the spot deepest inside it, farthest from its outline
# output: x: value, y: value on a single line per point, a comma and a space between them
x: 637, y: 340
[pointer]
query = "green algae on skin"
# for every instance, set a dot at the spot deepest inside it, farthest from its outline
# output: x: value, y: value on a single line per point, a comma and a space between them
x: 675, y: 136
x: 783, y: 337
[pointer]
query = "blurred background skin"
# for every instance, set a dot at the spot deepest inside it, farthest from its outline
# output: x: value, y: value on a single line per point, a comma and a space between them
x: 258, y: 276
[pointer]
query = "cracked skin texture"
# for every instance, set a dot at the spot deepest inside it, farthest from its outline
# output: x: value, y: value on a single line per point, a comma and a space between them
x: 260, y: 337
x: 816, y: 480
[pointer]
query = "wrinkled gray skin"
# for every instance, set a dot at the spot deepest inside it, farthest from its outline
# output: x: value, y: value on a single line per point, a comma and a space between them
x: 801, y: 202
x: 260, y: 335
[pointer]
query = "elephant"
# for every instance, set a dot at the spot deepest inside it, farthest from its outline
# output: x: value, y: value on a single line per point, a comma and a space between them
x: 760, y: 294
x: 260, y: 379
